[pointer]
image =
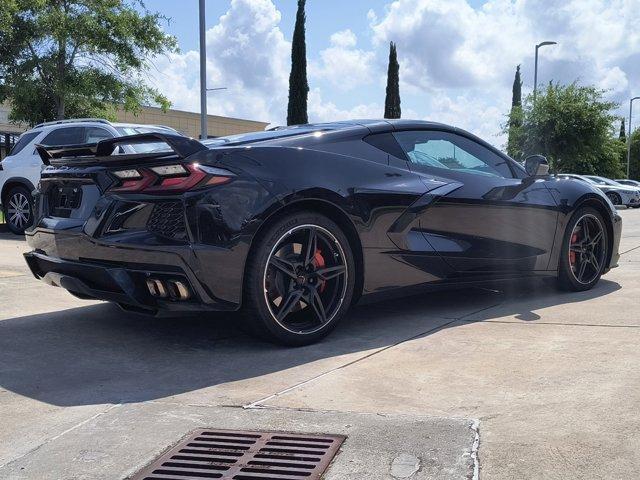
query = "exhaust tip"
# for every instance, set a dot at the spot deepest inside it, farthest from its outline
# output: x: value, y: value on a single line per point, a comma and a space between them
x: 178, y: 290
x: 156, y: 288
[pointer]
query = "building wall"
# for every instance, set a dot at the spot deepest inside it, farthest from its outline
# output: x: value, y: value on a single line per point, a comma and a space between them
x: 189, y: 122
x: 185, y: 122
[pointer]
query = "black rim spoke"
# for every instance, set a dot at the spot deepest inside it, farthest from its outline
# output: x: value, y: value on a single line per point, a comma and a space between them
x: 583, y: 268
x: 318, y: 307
x: 596, y: 239
x: 331, y: 272
x: 311, y: 246
x: 288, y: 303
x: 283, y: 265
x: 585, y: 229
x: 305, y: 279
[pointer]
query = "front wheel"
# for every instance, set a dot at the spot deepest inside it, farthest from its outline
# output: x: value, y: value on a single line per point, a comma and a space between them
x: 615, y: 198
x: 584, y: 251
x: 18, y: 209
x: 300, y: 279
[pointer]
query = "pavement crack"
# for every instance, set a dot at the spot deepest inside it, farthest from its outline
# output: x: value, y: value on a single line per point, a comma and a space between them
x: 259, y: 403
x: 55, y: 437
x: 475, y: 426
x: 561, y: 324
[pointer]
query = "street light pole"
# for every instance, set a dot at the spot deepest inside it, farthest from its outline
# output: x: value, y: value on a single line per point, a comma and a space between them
x: 629, y: 136
x: 203, y: 74
x: 535, y: 70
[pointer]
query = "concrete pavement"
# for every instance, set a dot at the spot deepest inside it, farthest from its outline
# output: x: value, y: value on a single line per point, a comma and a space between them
x: 87, y: 391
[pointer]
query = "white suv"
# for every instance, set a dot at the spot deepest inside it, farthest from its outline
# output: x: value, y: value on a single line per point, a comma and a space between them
x: 20, y: 170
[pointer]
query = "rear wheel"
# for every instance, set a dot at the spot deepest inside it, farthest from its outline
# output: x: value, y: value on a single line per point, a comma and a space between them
x: 18, y: 209
x: 584, y: 251
x: 300, y: 280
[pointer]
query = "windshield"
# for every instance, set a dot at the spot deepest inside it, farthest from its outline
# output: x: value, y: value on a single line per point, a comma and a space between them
x: 146, y: 147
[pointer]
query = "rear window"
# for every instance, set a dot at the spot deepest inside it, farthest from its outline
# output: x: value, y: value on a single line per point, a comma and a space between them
x: 146, y: 147
x: 65, y: 136
x: 24, y: 140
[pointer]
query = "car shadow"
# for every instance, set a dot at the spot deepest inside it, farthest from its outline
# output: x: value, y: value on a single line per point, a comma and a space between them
x: 98, y: 354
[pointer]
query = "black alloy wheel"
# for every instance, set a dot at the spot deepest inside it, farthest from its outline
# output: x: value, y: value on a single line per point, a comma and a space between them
x: 18, y: 209
x: 584, y: 252
x: 306, y: 280
x: 615, y: 198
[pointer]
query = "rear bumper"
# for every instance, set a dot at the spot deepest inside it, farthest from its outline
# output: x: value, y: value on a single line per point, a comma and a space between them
x: 119, y: 273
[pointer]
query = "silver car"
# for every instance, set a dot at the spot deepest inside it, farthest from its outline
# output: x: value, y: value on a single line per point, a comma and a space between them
x: 618, y: 194
x: 627, y: 182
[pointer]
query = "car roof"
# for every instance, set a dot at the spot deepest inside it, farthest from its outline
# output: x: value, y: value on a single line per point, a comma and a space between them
x: 90, y: 122
x: 360, y: 126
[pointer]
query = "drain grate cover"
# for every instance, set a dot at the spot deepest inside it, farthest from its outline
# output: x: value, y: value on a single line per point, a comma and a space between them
x: 245, y: 455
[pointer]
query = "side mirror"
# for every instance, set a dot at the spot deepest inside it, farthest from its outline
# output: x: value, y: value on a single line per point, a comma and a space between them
x: 536, y: 165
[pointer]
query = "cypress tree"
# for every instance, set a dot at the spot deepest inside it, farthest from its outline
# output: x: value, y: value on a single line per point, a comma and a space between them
x: 514, y: 149
x: 392, y: 99
x: 623, y: 133
x: 298, y: 85
x: 516, y: 97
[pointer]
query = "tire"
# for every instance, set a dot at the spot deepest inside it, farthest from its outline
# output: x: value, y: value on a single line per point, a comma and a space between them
x: 302, y: 270
x: 18, y: 209
x: 615, y: 198
x: 570, y: 265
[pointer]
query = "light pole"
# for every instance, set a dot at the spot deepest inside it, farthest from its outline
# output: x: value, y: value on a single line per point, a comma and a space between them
x: 203, y: 74
x: 629, y: 136
x: 535, y: 70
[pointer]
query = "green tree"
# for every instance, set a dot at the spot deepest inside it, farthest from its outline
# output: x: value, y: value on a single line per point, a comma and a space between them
x: 634, y: 158
x: 298, y: 85
x: 514, y: 142
x: 573, y: 126
x: 392, y: 99
x: 78, y: 58
x: 623, y: 133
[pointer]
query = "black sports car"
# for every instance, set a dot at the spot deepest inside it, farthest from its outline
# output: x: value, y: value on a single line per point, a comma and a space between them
x: 295, y: 225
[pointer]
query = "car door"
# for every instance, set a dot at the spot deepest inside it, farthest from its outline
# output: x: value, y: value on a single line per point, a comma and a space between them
x: 494, y: 219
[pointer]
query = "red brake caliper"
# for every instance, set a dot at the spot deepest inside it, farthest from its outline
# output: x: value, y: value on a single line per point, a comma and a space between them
x: 572, y: 254
x: 319, y: 262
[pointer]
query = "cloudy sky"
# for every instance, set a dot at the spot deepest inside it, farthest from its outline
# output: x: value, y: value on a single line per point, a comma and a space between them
x: 457, y: 57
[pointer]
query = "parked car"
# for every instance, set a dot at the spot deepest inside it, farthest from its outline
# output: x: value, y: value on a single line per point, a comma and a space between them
x: 618, y: 194
x: 20, y: 170
x: 629, y: 183
x: 293, y: 226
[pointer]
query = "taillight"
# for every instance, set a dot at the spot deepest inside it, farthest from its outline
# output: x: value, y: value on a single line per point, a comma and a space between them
x: 170, y: 178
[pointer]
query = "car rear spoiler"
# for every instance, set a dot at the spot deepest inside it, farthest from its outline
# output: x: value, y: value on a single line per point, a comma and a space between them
x: 91, y: 153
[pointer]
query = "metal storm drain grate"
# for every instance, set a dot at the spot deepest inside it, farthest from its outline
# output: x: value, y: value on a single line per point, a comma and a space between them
x: 245, y: 455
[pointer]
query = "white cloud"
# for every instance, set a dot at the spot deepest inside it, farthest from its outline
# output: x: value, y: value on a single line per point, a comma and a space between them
x: 463, y: 59
x: 342, y: 64
x: 457, y: 62
x: 246, y: 53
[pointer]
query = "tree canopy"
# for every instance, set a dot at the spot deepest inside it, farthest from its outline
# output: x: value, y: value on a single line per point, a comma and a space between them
x: 298, y: 85
x: 575, y: 128
x: 77, y: 58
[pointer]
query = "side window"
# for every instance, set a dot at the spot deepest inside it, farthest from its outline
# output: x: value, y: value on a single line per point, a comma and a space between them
x: 25, y: 140
x: 451, y: 152
x: 65, y: 136
x: 95, y: 134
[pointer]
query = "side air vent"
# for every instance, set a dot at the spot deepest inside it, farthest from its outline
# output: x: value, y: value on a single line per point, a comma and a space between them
x: 167, y: 220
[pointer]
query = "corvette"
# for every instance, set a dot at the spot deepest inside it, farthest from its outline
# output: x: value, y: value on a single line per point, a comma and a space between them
x: 295, y: 225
